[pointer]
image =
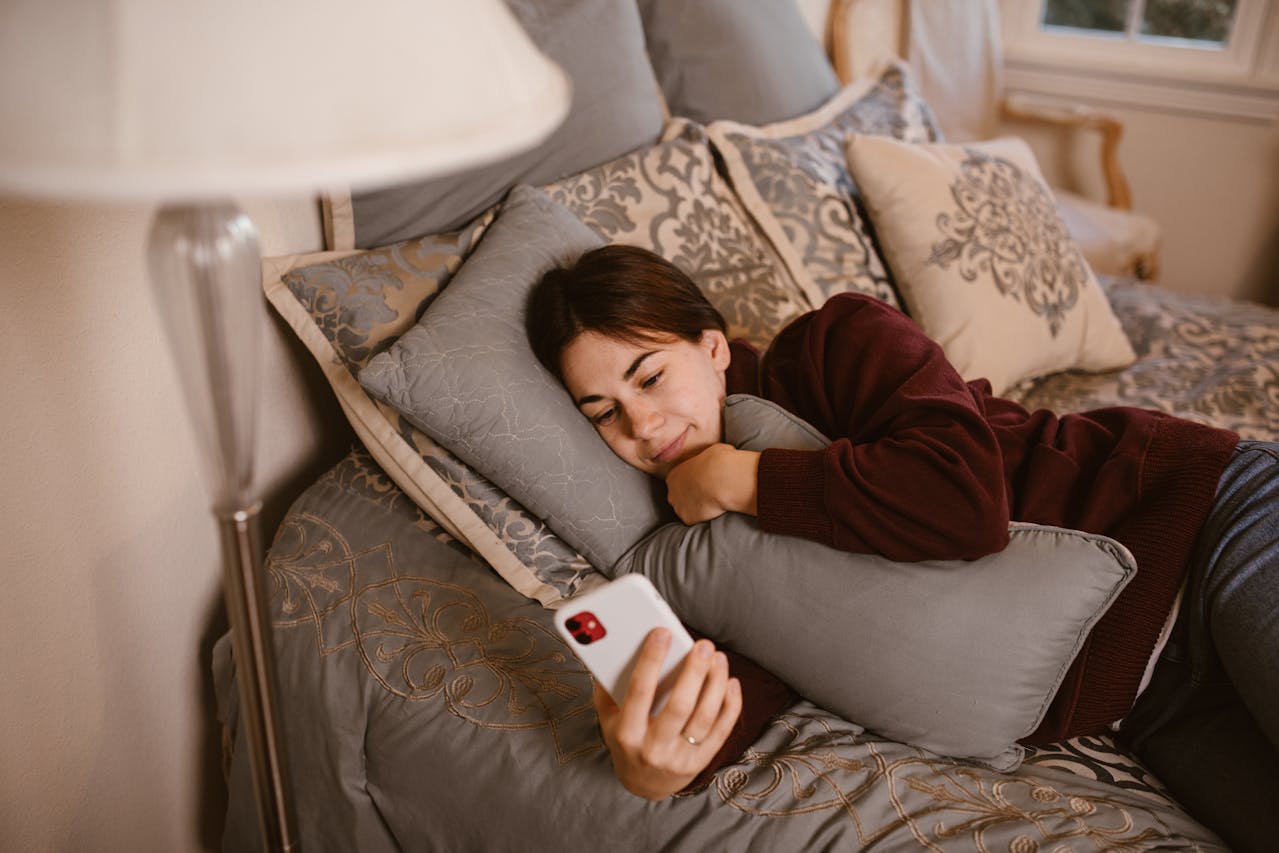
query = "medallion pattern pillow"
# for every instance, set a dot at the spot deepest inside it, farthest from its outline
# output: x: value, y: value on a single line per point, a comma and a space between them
x: 794, y: 180
x: 982, y: 260
x: 348, y: 307
x: 669, y: 199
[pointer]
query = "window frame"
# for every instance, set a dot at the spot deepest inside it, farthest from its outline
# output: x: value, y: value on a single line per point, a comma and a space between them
x: 1239, y: 80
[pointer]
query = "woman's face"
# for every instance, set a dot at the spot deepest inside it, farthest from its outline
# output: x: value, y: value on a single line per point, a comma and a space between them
x: 654, y: 403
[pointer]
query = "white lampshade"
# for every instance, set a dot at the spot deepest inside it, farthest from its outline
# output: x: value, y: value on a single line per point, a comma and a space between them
x: 194, y: 99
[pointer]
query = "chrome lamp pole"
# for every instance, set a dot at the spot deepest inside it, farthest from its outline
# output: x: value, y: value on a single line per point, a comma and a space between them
x: 206, y: 274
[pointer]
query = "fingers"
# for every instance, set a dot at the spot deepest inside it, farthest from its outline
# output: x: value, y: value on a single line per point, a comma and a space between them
x: 638, y: 703
x: 605, y: 708
x: 719, y: 479
x: 652, y: 755
x: 687, y: 491
x: 697, y: 693
x: 727, y: 717
x: 710, y: 701
x: 684, y: 699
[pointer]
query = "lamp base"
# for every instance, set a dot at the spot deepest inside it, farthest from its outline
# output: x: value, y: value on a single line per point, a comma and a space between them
x: 244, y: 585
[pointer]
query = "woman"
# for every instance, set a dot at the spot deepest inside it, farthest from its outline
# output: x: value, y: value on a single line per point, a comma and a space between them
x: 923, y: 465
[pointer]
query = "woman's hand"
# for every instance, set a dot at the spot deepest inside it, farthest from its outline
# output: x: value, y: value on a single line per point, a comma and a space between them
x: 656, y: 756
x: 719, y: 479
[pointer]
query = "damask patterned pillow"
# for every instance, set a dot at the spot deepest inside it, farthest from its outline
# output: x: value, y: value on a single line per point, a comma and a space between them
x: 670, y: 199
x: 347, y: 307
x: 983, y: 261
x: 1203, y: 358
x: 793, y: 178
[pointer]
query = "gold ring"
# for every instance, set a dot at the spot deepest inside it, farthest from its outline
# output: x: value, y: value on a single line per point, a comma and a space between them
x: 692, y: 740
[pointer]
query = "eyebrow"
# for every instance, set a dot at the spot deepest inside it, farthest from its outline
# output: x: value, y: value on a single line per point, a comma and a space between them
x: 630, y: 371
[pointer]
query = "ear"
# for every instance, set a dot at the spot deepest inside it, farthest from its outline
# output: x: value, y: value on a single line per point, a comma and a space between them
x: 716, y: 344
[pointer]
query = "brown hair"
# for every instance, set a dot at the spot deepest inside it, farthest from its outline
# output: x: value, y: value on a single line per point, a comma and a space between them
x: 621, y: 292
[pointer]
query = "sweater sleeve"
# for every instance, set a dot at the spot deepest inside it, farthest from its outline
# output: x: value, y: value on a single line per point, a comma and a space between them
x: 914, y: 470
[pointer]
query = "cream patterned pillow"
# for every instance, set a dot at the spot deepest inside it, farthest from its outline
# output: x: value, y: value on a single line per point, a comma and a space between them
x: 982, y: 260
x: 346, y: 307
x: 793, y: 179
x: 668, y: 198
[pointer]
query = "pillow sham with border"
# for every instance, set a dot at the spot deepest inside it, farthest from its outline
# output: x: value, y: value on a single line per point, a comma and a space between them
x: 793, y: 179
x: 983, y: 261
x: 346, y: 307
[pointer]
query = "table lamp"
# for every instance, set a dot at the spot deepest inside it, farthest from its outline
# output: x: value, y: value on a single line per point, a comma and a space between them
x: 192, y: 103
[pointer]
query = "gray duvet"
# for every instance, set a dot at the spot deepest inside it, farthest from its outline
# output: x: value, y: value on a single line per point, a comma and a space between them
x: 430, y: 707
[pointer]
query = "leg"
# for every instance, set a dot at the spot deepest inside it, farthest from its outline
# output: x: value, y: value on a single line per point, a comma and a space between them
x: 1240, y: 595
x: 1208, y: 724
x: 1218, y: 764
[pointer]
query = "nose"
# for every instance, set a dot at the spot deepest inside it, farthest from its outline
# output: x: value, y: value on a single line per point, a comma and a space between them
x: 645, y: 420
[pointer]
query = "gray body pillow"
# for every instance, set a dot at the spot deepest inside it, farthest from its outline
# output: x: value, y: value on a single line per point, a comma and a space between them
x: 959, y: 658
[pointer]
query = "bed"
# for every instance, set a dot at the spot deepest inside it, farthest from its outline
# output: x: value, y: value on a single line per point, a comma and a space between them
x: 428, y: 701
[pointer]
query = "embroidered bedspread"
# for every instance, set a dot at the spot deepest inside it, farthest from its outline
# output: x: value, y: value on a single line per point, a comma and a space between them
x: 431, y: 707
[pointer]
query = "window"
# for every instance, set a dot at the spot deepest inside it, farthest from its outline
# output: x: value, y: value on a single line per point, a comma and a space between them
x: 1216, y: 56
x: 1190, y: 23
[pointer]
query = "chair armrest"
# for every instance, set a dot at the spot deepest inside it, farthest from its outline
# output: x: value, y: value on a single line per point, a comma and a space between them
x: 836, y: 40
x: 1080, y: 116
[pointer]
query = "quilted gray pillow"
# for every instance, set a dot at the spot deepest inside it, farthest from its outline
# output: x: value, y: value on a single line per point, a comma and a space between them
x: 716, y: 63
x: 960, y: 658
x: 466, y: 376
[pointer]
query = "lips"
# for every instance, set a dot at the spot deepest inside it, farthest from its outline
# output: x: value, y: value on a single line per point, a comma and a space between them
x: 672, y: 451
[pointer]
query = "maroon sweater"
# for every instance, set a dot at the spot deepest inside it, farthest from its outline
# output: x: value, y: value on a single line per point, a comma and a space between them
x: 925, y: 466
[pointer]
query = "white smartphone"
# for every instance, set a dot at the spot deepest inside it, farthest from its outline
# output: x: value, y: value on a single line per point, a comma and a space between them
x: 606, y: 626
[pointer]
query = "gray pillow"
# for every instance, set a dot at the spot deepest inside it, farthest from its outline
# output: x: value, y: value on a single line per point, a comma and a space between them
x: 959, y: 658
x: 615, y: 109
x: 714, y: 61
x: 466, y: 376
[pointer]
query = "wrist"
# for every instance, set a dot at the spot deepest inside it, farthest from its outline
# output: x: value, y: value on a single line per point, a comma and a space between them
x: 745, y: 490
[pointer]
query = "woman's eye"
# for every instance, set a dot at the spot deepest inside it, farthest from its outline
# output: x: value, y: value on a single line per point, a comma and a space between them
x: 604, y: 417
x: 652, y: 380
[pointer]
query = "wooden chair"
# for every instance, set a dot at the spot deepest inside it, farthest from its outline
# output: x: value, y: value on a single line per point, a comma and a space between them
x: 955, y: 50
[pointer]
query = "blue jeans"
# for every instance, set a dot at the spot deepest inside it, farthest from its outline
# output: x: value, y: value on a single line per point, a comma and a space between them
x: 1208, y: 723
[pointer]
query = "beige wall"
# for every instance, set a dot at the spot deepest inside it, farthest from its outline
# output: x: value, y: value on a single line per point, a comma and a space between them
x: 1211, y: 183
x: 112, y: 593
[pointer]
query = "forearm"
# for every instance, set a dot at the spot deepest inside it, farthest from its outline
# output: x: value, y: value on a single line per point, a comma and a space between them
x: 914, y: 470
x: 906, y: 504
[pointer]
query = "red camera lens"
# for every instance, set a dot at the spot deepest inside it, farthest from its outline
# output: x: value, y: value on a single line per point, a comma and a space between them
x: 585, y: 628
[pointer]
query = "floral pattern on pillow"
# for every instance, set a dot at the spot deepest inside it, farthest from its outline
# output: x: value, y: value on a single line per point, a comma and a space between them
x: 989, y: 324
x: 669, y: 199
x: 1005, y: 225
x: 547, y: 556
x: 793, y: 178
x: 361, y: 303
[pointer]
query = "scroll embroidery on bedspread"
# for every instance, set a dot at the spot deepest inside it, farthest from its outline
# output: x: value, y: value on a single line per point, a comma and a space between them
x: 426, y: 639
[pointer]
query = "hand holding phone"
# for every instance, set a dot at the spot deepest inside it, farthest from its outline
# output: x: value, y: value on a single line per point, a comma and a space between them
x: 657, y: 747
x: 606, y: 627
